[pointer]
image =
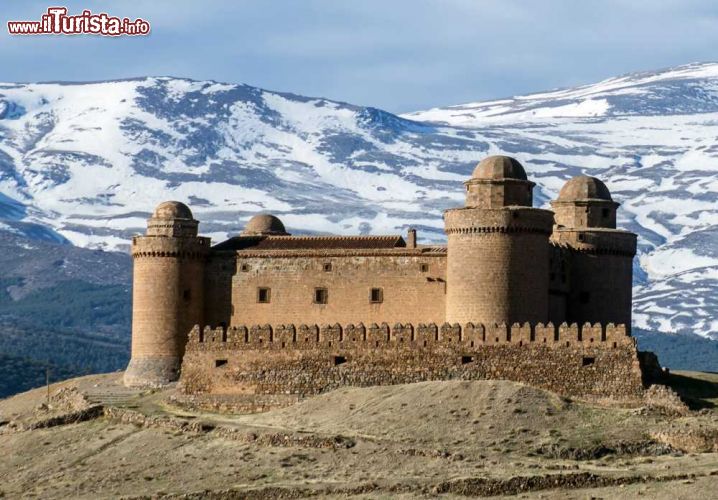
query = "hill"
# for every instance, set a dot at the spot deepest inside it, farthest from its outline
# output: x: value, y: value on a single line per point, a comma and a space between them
x: 451, y: 439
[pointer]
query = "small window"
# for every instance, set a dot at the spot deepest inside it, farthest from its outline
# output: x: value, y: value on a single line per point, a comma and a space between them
x: 424, y: 268
x: 220, y: 362
x: 187, y: 295
x: 244, y: 268
x: 605, y: 213
x: 377, y: 295
x: 327, y: 267
x: 466, y: 360
x: 587, y: 361
x: 584, y: 297
x: 339, y: 360
x: 321, y: 295
x: 580, y: 237
x: 263, y: 295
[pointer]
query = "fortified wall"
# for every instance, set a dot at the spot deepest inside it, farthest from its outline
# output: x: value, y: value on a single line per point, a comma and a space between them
x: 587, y: 361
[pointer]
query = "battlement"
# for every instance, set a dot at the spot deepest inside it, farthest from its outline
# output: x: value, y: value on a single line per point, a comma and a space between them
x: 588, y: 360
x: 407, y: 335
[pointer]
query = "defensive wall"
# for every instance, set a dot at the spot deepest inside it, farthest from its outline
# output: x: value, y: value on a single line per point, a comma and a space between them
x: 301, y: 360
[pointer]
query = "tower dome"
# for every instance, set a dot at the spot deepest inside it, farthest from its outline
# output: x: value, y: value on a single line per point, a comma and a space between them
x: 499, y: 182
x: 264, y: 224
x: 584, y: 187
x: 172, y: 218
x: 585, y: 202
x: 499, y: 167
x: 172, y: 210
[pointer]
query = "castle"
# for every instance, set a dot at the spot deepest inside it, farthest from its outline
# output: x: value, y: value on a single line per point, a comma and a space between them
x: 534, y: 295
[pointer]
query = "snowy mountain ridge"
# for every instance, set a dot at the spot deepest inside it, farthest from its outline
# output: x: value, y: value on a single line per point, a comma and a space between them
x: 86, y: 163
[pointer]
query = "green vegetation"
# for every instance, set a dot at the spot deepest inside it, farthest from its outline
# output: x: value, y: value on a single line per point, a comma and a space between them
x: 680, y: 352
x: 76, y: 327
x: 20, y: 374
x: 71, y: 304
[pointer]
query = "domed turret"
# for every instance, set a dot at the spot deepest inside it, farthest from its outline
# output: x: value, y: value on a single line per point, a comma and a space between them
x: 264, y: 225
x: 167, y: 293
x: 499, y: 181
x: 172, y: 219
x: 499, y: 167
x: 497, y: 251
x: 585, y: 202
x: 584, y: 187
x: 172, y: 210
x: 594, y: 282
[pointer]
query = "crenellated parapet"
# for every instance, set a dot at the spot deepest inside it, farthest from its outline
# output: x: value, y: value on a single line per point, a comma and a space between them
x: 385, y: 336
x: 590, y: 360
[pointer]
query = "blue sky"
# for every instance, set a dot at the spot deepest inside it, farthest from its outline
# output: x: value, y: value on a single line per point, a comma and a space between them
x: 399, y: 55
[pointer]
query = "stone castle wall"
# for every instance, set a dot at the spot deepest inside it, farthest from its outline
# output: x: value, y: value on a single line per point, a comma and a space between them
x: 411, y: 287
x: 587, y: 361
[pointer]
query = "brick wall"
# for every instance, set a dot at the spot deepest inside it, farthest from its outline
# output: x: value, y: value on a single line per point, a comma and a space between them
x: 592, y: 360
x: 600, y: 273
x: 408, y: 291
x: 498, y: 265
x: 167, y: 300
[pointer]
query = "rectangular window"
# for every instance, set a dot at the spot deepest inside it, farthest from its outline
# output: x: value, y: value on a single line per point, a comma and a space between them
x: 377, y: 295
x: 321, y: 295
x: 588, y: 361
x: 244, y: 268
x: 263, y: 295
x: 604, y: 213
x: 424, y: 268
x: 220, y: 362
x: 327, y: 267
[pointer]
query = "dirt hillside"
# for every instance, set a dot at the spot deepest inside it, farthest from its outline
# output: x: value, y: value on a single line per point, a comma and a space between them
x: 95, y: 439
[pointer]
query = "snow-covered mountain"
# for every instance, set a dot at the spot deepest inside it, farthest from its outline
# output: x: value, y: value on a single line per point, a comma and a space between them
x: 85, y: 163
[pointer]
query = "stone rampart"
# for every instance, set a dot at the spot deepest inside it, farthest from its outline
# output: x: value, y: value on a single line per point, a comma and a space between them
x: 586, y: 361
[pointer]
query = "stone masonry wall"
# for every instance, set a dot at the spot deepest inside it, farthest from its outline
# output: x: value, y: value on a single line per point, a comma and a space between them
x: 592, y: 360
x: 412, y: 288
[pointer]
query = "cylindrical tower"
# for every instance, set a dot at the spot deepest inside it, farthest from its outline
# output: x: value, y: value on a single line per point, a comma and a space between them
x: 498, y: 249
x: 167, y: 294
x: 600, y: 256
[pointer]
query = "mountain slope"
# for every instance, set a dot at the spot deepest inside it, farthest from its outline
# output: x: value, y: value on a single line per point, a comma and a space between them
x: 86, y: 163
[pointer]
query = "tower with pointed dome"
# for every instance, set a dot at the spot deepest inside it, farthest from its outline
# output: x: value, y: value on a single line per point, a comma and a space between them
x: 498, y: 244
x: 167, y: 293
